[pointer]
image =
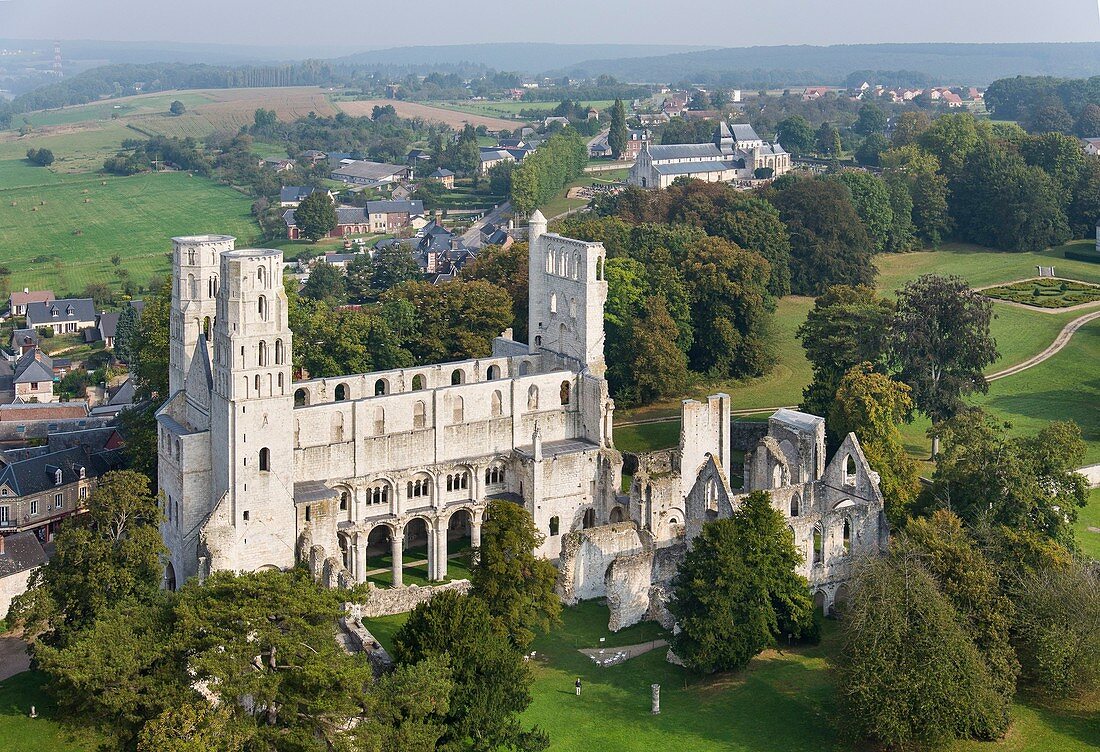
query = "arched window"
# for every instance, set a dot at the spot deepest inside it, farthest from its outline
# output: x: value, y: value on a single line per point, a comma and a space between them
x: 493, y: 373
x: 281, y: 383
x: 212, y: 285
x: 419, y: 418
x: 301, y: 398
x: 563, y: 393
x: 576, y: 265
x: 563, y: 264
x: 846, y: 536
x: 555, y: 525
x: 497, y: 407
x: 381, y: 387
x: 524, y: 368
x: 257, y: 385
x: 206, y: 328
x: 278, y: 352
x: 712, y: 496
x: 337, y: 431
x: 849, y: 470
x: 819, y: 546
x: 458, y: 376
x: 261, y: 308
x: 795, y: 503
x: 261, y: 276
x: 532, y: 397
x: 550, y: 261
x: 572, y: 308
x: 589, y: 519
x: 599, y: 268
x: 379, y: 421
x: 418, y: 382
x: 538, y: 340
x: 265, y: 459
x: 341, y: 392
x: 191, y: 257
x: 192, y: 286
x: 379, y: 493
x: 458, y: 415
x: 553, y: 302
x: 262, y: 353
x: 344, y: 501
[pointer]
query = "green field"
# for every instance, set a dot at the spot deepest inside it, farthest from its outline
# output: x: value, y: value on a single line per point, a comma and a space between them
x: 69, y: 240
x: 47, y: 733
x: 510, y: 108
x: 1089, y: 517
x: 115, y: 108
x: 77, y: 152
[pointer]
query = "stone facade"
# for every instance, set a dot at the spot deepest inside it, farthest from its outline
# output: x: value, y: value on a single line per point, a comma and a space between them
x: 257, y: 470
x: 735, y: 153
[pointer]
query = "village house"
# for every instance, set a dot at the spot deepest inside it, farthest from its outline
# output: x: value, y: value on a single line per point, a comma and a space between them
x: 278, y: 165
x: 361, y: 172
x: 1091, y: 146
x: 292, y: 195
x: 493, y: 157
x: 375, y: 217
x: 18, y: 301
x: 34, y: 376
x: 313, y: 156
x: 444, y: 177
x: 814, y: 92
x: 20, y: 555
x: 23, y: 341
x: 63, y: 316
x: 37, y: 493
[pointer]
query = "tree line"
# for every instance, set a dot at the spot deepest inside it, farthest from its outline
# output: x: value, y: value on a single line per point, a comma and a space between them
x: 546, y: 171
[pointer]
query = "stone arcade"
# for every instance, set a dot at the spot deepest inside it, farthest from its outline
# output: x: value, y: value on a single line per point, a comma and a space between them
x: 259, y: 471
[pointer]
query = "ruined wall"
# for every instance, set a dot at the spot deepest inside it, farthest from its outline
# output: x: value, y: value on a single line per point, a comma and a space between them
x: 389, y: 601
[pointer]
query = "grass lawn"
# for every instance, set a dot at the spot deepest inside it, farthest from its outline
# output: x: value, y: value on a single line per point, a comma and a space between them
x: 75, y: 152
x: 1089, y: 540
x: 134, y: 217
x: 43, y: 734
x: 510, y: 108
x: 560, y: 204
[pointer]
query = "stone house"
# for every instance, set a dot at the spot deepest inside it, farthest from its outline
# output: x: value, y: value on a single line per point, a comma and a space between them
x: 33, y: 377
x: 63, y: 316
x: 18, y: 301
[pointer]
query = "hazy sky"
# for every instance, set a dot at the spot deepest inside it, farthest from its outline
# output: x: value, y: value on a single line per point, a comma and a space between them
x: 719, y: 23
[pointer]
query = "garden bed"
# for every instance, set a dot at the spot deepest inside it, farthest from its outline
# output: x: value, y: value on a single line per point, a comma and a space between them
x: 1046, y: 293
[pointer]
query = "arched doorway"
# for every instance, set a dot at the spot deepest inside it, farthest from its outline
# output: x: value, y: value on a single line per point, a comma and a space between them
x: 616, y: 515
x: 169, y: 577
x: 819, y: 601
x: 589, y: 519
x: 840, y: 600
x: 459, y: 544
x: 416, y: 556
x: 377, y: 562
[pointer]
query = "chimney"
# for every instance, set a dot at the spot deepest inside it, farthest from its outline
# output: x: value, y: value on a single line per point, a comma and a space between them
x: 26, y: 289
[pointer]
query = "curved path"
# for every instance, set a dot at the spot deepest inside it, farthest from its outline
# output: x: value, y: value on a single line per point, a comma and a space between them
x: 1055, y: 347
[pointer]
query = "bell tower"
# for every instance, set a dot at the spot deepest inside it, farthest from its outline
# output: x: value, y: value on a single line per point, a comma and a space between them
x: 195, y: 271
x: 252, y: 406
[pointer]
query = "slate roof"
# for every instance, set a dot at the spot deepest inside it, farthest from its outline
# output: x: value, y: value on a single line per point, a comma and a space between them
x: 687, y: 168
x: 23, y: 338
x: 68, y: 310
x: 441, y: 172
x: 495, y: 155
x: 395, y: 207
x: 370, y: 170
x: 797, y: 418
x: 743, y: 132
x: 685, y: 151
x: 123, y: 394
x: 92, y: 439
x: 38, y: 474
x: 34, y: 367
x: 290, y: 193
x: 107, y: 324
x: 22, y: 551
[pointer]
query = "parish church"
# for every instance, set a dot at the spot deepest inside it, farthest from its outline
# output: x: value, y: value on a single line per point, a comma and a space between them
x: 735, y: 152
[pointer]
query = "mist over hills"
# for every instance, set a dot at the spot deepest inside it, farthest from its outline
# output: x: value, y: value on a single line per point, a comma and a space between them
x: 975, y: 64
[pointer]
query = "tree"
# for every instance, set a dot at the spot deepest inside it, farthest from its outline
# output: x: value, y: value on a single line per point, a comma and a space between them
x: 506, y: 268
x: 326, y: 283
x: 869, y: 153
x: 125, y: 333
x: 827, y: 140
x: 465, y: 157
x: 1060, y: 156
x: 795, y: 134
x: 618, y: 135
x: 730, y: 308
x: 491, y: 681
x: 847, y: 326
x: 516, y: 585
x: 940, y: 344
x: 969, y: 581
x: 177, y: 108
x: 194, y: 726
x: 872, y: 405
x: 658, y: 365
x: 908, y: 675
x: 902, y: 235
x: 871, y: 120
x: 1051, y: 118
x: 1084, y: 205
x: 737, y: 592
x: 40, y: 157
x: 991, y: 479
x: 393, y: 265
x: 1055, y: 632
x: 871, y: 200
x: 332, y: 342
x: 108, y: 555
x: 829, y: 245
x: 909, y: 127
x: 952, y: 139
x: 359, y: 278
x: 316, y: 215
x: 150, y: 348
x: 1088, y: 122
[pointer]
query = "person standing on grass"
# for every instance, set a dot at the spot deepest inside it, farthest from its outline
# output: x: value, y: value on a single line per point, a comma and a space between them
x: 578, y: 686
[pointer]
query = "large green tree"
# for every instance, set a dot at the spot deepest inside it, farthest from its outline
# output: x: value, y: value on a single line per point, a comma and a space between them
x: 125, y: 334
x: 149, y: 366
x: 507, y: 269
x: 829, y: 245
x: 516, y: 585
x: 658, y: 365
x: 393, y: 265
x: 736, y: 592
x: 908, y: 674
x: 315, y: 216
x: 940, y: 343
x: 795, y: 134
x: 871, y: 200
x: 326, y: 283
x: 617, y: 135
x: 491, y: 680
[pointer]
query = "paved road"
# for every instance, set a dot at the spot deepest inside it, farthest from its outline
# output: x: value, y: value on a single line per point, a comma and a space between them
x: 1055, y: 347
x: 472, y: 237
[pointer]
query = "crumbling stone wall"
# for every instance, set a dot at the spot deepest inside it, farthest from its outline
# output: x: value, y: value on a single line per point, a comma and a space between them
x: 389, y: 601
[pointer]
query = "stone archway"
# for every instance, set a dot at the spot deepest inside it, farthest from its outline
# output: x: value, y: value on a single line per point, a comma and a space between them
x: 169, y: 577
x: 376, y: 556
x: 417, y: 555
x: 459, y: 549
x: 616, y: 515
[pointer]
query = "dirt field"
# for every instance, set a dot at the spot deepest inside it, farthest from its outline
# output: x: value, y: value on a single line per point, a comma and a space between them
x: 452, y: 118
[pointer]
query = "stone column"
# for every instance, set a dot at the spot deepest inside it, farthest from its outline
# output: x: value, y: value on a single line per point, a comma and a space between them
x: 395, y: 552
x: 439, y: 534
x: 357, y: 571
x: 475, y: 534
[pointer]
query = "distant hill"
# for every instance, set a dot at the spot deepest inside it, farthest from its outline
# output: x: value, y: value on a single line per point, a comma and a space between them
x: 974, y: 64
x: 518, y: 57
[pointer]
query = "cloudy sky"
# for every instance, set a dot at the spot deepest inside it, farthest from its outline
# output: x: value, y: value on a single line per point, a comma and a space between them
x: 384, y: 23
